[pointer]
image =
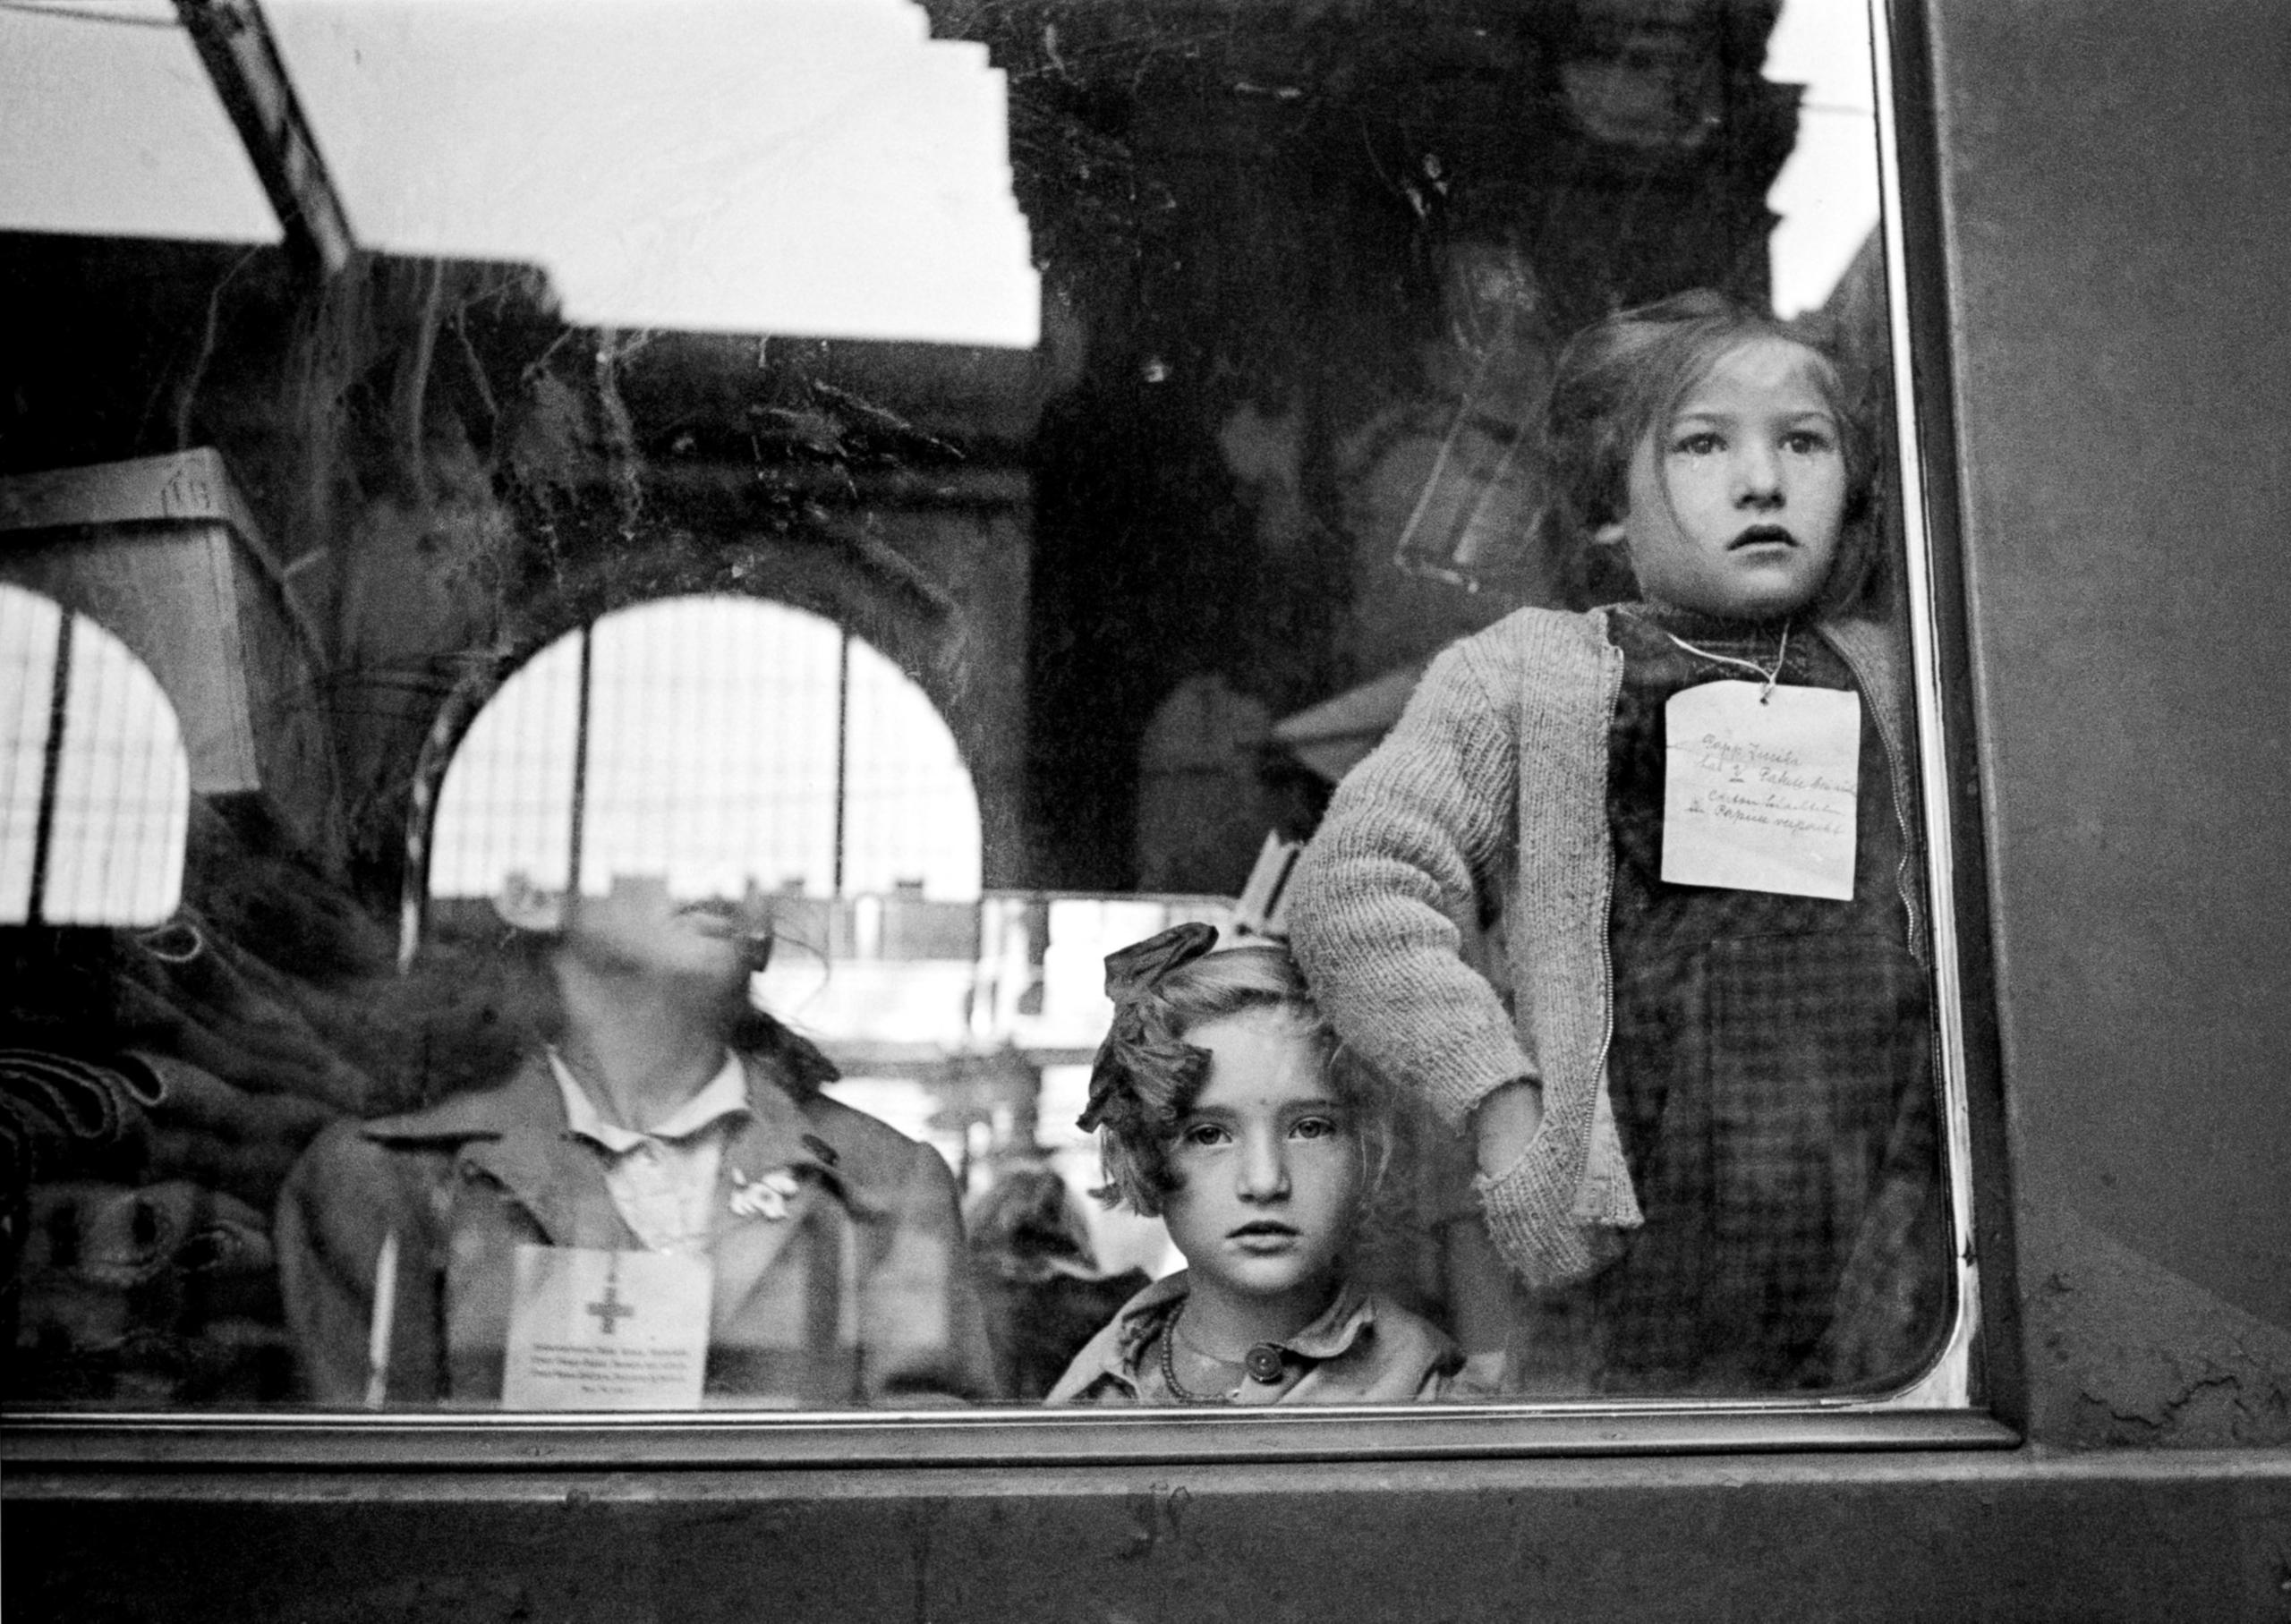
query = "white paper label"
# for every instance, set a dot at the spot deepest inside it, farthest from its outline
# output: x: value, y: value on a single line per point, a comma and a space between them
x: 1758, y: 794
x: 597, y: 1329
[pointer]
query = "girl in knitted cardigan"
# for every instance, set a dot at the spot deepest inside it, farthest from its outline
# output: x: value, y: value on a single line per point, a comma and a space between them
x: 1703, y: 1105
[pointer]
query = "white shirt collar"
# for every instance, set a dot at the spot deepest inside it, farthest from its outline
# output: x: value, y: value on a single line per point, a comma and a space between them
x: 726, y: 1095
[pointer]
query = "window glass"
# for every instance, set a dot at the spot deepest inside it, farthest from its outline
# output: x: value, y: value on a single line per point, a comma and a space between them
x: 1124, y: 705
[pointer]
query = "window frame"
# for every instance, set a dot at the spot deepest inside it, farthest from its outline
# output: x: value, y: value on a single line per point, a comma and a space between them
x: 1983, y: 1333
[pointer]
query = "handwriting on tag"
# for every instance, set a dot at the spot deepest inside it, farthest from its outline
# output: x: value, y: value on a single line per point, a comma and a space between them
x: 1759, y: 795
x: 591, y: 1329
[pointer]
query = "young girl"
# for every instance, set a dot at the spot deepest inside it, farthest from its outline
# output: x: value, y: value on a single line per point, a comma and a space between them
x: 1703, y: 1107
x: 1223, y: 1108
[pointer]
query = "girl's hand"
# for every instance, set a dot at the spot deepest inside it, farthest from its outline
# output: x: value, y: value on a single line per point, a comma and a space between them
x: 1502, y: 1124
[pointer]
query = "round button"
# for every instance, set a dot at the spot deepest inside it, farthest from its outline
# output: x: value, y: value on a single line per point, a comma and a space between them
x: 1263, y: 1362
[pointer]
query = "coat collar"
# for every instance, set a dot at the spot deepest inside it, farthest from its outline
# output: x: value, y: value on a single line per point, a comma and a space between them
x: 725, y: 1095
x: 1333, y: 1331
x: 517, y: 1134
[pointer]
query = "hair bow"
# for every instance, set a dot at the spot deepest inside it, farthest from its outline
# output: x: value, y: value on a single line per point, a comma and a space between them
x: 1131, y: 973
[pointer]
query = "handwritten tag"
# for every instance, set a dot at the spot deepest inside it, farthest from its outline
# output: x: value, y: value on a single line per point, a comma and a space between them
x: 596, y: 1330
x: 1759, y: 796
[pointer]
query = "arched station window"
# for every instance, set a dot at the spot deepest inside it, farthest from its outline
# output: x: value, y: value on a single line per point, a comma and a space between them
x: 95, y: 787
x: 717, y: 744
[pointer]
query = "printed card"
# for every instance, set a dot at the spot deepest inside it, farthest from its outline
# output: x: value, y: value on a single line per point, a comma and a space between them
x: 1759, y: 787
x: 598, y: 1329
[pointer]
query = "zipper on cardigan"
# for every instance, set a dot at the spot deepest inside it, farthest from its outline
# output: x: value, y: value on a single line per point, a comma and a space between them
x: 1894, y: 767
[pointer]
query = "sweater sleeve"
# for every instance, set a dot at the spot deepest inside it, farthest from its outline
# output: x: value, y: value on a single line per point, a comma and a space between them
x: 1415, y: 841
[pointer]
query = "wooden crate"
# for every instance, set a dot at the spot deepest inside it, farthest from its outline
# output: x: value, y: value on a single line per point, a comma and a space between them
x: 163, y: 552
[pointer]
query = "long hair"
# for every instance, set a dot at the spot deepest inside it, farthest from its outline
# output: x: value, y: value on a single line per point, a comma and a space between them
x: 1258, y: 978
x: 1618, y: 379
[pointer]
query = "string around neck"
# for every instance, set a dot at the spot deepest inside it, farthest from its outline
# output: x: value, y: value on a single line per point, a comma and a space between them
x: 1769, y: 675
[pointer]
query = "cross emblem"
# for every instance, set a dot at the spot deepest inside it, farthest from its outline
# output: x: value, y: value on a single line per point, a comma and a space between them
x: 611, y: 1310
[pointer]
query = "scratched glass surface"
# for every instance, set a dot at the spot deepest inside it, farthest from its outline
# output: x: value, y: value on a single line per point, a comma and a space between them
x: 591, y: 677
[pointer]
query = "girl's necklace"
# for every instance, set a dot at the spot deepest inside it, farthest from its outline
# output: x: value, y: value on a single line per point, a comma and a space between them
x: 1263, y: 1362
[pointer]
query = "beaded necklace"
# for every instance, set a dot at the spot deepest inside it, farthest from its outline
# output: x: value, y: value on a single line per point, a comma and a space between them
x: 1263, y: 1362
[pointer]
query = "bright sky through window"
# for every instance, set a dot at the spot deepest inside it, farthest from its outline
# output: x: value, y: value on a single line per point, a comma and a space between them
x: 812, y: 167
x: 95, y: 795
x: 1827, y: 194
x: 108, y: 125
x: 728, y: 739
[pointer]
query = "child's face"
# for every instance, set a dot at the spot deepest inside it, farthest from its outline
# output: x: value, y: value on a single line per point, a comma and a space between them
x: 1737, y: 499
x: 1267, y: 1166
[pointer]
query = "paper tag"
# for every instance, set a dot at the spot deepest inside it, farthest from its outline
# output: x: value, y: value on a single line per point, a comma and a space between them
x: 597, y: 1329
x: 1759, y: 793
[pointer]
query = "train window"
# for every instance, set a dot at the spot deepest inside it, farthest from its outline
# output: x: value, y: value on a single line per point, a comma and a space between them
x: 984, y: 733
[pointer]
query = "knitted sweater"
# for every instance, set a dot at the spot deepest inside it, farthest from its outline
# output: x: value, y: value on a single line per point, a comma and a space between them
x: 1490, y: 795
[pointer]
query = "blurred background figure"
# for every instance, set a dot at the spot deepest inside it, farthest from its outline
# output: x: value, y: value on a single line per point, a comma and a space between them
x: 1038, y: 1277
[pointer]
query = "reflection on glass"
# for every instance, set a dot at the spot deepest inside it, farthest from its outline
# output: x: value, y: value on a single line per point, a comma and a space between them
x: 651, y: 1202
x: 719, y: 746
x: 92, y: 792
x: 877, y: 691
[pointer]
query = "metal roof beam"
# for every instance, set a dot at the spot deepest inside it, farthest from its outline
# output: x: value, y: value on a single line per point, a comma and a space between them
x: 235, y: 44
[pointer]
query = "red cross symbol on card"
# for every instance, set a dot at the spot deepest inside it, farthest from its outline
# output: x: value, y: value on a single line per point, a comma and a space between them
x: 610, y: 1311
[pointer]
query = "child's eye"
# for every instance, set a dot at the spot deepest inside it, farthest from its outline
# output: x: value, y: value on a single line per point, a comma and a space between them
x: 1206, y: 1133
x: 1316, y: 1128
x: 1805, y: 442
x: 1701, y: 443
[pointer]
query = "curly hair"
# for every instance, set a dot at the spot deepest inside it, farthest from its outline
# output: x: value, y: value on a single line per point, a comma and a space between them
x: 1617, y: 379
x: 1165, y: 1076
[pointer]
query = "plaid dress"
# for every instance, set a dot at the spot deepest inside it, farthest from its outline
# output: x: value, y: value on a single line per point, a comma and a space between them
x: 1771, y: 1070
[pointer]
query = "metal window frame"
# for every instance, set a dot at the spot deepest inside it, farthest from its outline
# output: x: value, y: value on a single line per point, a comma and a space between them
x: 1981, y: 1401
